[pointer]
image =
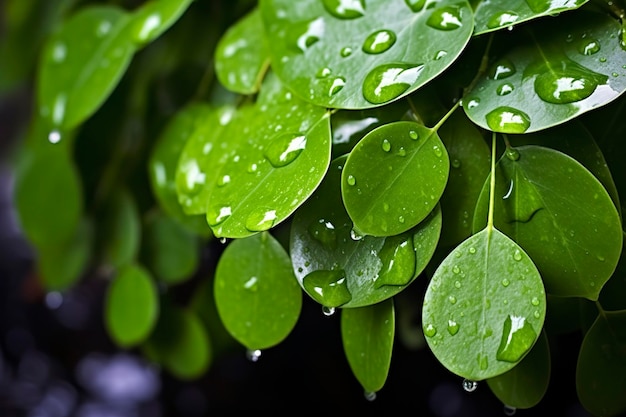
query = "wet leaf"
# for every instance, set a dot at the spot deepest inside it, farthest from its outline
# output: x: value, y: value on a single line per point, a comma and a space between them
x: 281, y: 151
x: 600, y: 382
x: 154, y: 17
x: 359, y: 55
x: 256, y: 294
x: 242, y: 55
x: 367, y: 334
x: 562, y: 216
x: 121, y: 230
x: 383, y: 185
x: 568, y: 69
x: 82, y: 63
x: 487, y: 299
x: 131, y: 306
x: 336, y: 268
x: 492, y: 15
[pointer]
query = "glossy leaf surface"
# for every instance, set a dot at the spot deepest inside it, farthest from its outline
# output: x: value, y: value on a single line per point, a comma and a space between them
x: 363, y: 54
x: 367, y: 334
x: 256, y: 294
x: 487, y: 299
x: 155, y: 17
x: 383, y: 184
x: 565, y: 71
x: 563, y: 217
x: 339, y: 270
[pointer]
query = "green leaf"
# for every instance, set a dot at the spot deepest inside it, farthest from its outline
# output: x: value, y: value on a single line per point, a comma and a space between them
x: 525, y: 385
x: 568, y: 69
x: 281, y: 152
x: 339, y: 270
x: 367, y: 334
x: 256, y: 294
x: 484, y: 307
x: 242, y: 56
x: 120, y: 229
x: 382, y: 183
x: 48, y: 195
x: 360, y: 55
x: 562, y: 216
x: 492, y: 15
x: 600, y: 382
x: 82, y: 63
x: 155, y: 17
x: 131, y: 306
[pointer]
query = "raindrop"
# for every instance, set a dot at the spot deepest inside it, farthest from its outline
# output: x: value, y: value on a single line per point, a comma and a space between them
x: 148, y: 28
x: 504, y: 89
x: 437, y: 150
x: 378, y: 42
x: 512, y: 154
x: 194, y: 177
x: 387, y: 82
x: 223, y: 180
x: 58, y: 109
x: 517, y: 255
x: 505, y: 282
x: 501, y: 19
x: 323, y: 72
x: 103, y: 28
x: 354, y: 235
x: 351, y: 180
x: 328, y: 287
x: 508, y: 119
x: 445, y: 18
x: 535, y: 301
x: 324, y: 232
x: 345, y: 9
x: 398, y: 261
x: 439, y: 55
x: 601, y: 258
x: 414, y: 135
x: 336, y: 86
x: 415, y: 5
x: 502, y: 68
x: 370, y: 395
x: 285, y: 148
x: 452, y: 299
x: 253, y: 355
x: 261, y: 220
x: 253, y: 168
x: 251, y: 284
x: 472, y: 250
x: 328, y: 311
x: 386, y: 145
x: 309, y: 33
x: 509, y: 410
x: 401, y: 219
x: 456, y: 269
x: 457, y: 284
x: 469, y: 385
x: 567, y: 85
x: 518, y: 336
x: 59, y: 52
x: 473, y: 103
x: 588, y: 46
x: 217, y: 215
x: 222, y: 240
x: 430, y: 330
x: 54, y: 136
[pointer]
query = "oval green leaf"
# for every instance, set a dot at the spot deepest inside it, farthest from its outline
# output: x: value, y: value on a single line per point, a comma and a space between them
x: 383, y: 183
x: 358, y: 55
x: 336, y: 268
x: 562, y: 216
x: 367, y: 334
x: 120, y: 230
x: 568, y: 69
x: 256, y: 294
x: 82, y: 63
x: 155, y: 17
x: 487, y: 299
x: 131, y: 306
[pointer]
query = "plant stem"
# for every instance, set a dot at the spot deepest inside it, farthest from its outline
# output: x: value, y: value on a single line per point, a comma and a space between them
x: 492, y: 182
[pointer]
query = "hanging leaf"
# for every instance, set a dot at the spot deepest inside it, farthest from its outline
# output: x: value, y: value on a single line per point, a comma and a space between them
x: 492, y: 15
x: 242, y: 56
x: 486, y: 298
x: 600, y: 382
x: 131, y: 306
x: 562, y: 216
x: 282, y: 151
x: 383, y: 184
x: 256, y: 294
x: 121, y: 230
x: 339, y: 270
x: 367, y: 334
x: 82, y: 63
x: 567, y: 70
x: 355, y: 54
x: 155, y: 17
x: 525, y: 385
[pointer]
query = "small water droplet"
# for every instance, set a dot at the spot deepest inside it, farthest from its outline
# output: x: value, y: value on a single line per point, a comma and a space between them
x: 414, y: 135
x: 437, y: 150
x: 309, y: 33
x: 336, y: 86
x: 457, y: 284
x: 379, y: 41
x: 601, y: 258
x: 508, y: 120
x: 103, y: 28
x: 345, y: 52
x: 401, y: 151
x: 323, y: 72
x: 415, y: 5
x: 445, y: 18
x: 602, y: 59
x: 501, y: 69
x: 589, y: 46
x: 217, y: 215
x: 504, y: 89
x: 386, y: 145
x: 469, y: 385
x: 472, y: 250
x: 223, y: 180
x: 517, y: 255
x: 567, y: 85
x: 534, y: 301
x: 324, y: 232
x: 345, y: 9
x: 351, y: 180
x: 440, y: 54
x: 512, y: 154
x: 222, y: 240
x: 54, y: 136
x: 354, y: 235
x: 148, y: 28
x: 387, y: 82
x: 328, y: 287
x: 505, y: 282
x: 509, y: 410
x: 328, y: 311
x: 251, y: 284
x: 456, y: 270
x: 370, y: 395
x: 285, y: 148
x: 401, y: 219
x: 430, y: 330
x: 59, y: 52
x: 453, y: 327
x: 452, y: 299
x: 501, y: 19
x: 261, y: 220
x: 253, y: 355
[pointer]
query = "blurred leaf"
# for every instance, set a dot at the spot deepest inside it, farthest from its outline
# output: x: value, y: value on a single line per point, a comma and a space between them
x: 121, y: 230
x: 154, y: 17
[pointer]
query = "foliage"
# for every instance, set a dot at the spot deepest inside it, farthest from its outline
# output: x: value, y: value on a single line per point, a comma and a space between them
x: 340, y: 150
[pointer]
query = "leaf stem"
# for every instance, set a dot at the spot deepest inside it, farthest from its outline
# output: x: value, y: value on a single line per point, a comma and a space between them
x: 492, y: 183
x: 446, y: 116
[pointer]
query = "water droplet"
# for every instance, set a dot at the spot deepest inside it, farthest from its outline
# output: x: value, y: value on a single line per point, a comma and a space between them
x: 415, y: 5
x: 505, y: 282
x: 388, y: 82
x: 507, y: 119
x: 401, y: 219
x: 518, y: 336
x: 336, y: 86
x: 437, y: 150
x: 512, y: 154
x: 369, y: 395
x: 452, y: 299
x: 261, y: 220
x: 253, y: 168
x: 601, y: 258
x: 223, y: 240
x: 509, y: 410
x: 59, y: 52
x: 504, y: 89
x: 58, y: 109
x: 517, y: 255
x: 103, y: 28
x: 54, y: 136
x: 285, y: 148
x: 501, y: 69
x: 345, y: 9
x: 217, y: 215
x: 253, y: 355
x: 457, y: 284
x: 398, y: 261
x: 445, y: 18
x: 251, y: 284
x: 589, y: 46
x: 602, y: 59
x: 567, y: 85
x: 386, y: 145
x: 501, y: 19
x: 440, y: 54
x: 351, y: 180
x: 469, y: 385
x: 223, y: 180
x: 324, y: 232
x: 323, y: 72
x: 328, y: 311
x: 472, y: 103
x: 453, y: 327
x: 414, y: 135
x: 354, y: 235
x: 328, y: 287
x: 472, y: 250
x: 456, y: 270
x: 148, y: 27
x: 309, y: 33
x: 534, y: 301
x: 378, y: 42
x: 345, y: 52
x: 430, y: 330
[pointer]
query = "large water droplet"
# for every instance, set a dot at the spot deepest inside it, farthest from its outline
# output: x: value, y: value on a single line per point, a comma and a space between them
x: 415, y: 5
x: 261, y: 220
x: 500, y: 69
x: 561, y: 87
x: 501, y: 19
x: 430, y: 330
x: 588, y: 46
x: 453, y: 327
x: 328, y: 287
x: 345, y: 9
x: 378, y: 42
x: 386, y: 145
x: 217, y: 215
x: 285, y: 148
x: 518, y: 336
x: 388, y: 82
x: 508, y: 120
x: 445, y: 18
x: 398, y: 261
x: 308, y: 33
x: 504, y: 89
x: 324, y: 232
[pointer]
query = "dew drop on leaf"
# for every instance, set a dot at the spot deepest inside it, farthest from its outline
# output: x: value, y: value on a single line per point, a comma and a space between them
x: 217, y: 215
x: 386, y: 145
x: 351, y: 180
x: 504, y: 89
x: 445, y: 18
x: 415, y: 5
x: 261, y: 220
x: 345, y: 9
x: 561, y: 87
x: 518, y: 336
x: 387, y: 82
x: 370, y: 395
x: 323, y: 72
x: 59, y: 52
x: 336, y: 86
x: 453, y: 327
x: 324, y: 232
x: 285, y: 148
x: 414, y: 135
x: 148, y: 27
x: 509, y: 410
x: 398, y: 261
x: 345, y: 52
x: 430, y: 330
x: 501, y: 69
x: 440, y: 54
x: 328, y: 287
x: 589, y: 46
x: 502, y: 18
x: 507, y: 119
x: 379, y: 41
x: 308, y: 33
x: 513, y: 155
x: 54, y: 136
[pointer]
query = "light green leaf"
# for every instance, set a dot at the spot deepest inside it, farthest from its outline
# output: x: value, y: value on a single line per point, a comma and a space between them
x: 367, y: 334
x: 562, y: 216
x: 242, y: 56
x: 131, y: 306
x: 383, y: 184
x: 361, y: 54
x: 339, y: 270
x: 563, y: 71
x: 81, y: 64
x: 256, y: 294
x: 492, y: 15
x: 155, y: 17
x: 484, y: 307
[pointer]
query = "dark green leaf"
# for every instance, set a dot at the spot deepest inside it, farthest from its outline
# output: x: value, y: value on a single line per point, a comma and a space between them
x: 121, y: 230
